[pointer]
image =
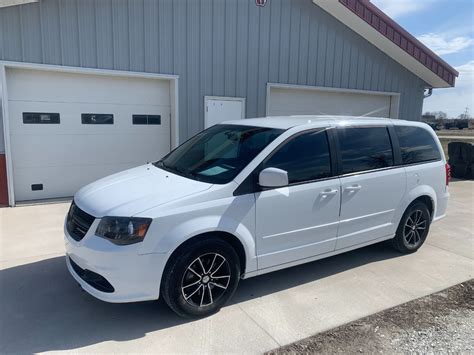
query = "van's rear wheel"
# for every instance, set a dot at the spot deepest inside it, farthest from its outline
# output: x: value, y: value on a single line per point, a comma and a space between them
x: 413, y: 228
x: 202, y: 279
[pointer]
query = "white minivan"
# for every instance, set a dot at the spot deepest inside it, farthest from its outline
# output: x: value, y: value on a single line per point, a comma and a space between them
x: 247, y: 197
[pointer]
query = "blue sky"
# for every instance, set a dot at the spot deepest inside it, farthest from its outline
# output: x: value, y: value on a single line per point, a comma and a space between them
x: 447, y: 28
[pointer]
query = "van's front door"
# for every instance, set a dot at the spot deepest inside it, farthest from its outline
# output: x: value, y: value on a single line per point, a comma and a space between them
x: 372, y: 187
x: 300, y: 220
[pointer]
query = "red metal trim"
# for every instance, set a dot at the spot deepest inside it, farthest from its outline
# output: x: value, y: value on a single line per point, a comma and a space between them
x: 395, y: 33
x: 3, y: 181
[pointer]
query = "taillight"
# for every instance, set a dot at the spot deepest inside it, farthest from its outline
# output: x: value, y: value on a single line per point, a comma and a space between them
x: 448, y: 173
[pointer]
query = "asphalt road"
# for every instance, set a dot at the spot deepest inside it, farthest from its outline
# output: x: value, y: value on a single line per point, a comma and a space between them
x: 43, y: 309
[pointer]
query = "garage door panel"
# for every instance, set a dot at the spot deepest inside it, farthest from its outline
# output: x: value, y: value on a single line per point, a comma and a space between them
x: 294, y: 101
x: 56, y: 183
x: 70, y: 118
x: 34, y: 85
x: 86, y: 150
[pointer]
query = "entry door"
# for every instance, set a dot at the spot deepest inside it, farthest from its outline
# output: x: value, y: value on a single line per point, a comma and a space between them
x: 223, y: 109
x: 300, y: 220
x: 372, y: 188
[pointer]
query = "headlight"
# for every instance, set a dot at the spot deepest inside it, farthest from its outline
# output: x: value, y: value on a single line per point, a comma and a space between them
x: 123, y: 230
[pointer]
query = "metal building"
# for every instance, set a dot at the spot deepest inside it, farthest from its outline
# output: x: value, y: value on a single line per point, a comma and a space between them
x: 91, y: 87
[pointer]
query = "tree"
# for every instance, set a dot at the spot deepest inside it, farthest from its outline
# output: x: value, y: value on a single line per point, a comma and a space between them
x: 439, y: 115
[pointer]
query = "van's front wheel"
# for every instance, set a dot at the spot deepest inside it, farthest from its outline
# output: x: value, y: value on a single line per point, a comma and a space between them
x: 202, y: 279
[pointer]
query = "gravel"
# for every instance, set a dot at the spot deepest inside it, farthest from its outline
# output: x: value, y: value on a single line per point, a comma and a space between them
x: 439, y: 323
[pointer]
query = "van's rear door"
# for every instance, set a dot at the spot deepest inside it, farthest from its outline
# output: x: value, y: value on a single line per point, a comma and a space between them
x: 372, y: 186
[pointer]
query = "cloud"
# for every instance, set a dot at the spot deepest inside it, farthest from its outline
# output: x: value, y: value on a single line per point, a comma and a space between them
x: 441, y: 44
x: 398, y: 8
x: 466, y: 74
x: 454, y: 101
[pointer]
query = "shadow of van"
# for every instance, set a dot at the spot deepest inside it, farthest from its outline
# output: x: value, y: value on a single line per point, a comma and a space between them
x: 43, y: 309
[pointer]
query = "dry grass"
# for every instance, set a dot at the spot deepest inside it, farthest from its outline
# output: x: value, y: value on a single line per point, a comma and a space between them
x: 456, y: 132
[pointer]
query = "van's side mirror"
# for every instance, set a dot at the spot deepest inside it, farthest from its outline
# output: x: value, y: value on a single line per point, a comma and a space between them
x: 273, y: 177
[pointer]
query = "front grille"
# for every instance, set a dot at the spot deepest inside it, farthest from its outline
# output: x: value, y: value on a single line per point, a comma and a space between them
x: 95, y: 280
x: 78, y: 222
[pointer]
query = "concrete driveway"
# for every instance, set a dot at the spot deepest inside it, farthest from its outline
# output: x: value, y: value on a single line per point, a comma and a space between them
x: 43, y: 309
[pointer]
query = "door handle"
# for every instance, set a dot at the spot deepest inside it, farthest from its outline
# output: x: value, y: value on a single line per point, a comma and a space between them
x: 328, y: 192
x: 353, y: 188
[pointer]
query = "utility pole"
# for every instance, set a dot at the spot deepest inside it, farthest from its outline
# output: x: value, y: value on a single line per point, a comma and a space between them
x: 466, y: 113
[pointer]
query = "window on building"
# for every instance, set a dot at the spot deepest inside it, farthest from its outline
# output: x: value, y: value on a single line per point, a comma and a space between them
x: 146, y: 119
x: 40, y: 118
x: 416, y: 145
x: 97, y: 118
x: 305, y: 157
x: 365, y: 148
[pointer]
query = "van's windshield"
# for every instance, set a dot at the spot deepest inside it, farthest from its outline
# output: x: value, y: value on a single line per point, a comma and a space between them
x: 218, y: 154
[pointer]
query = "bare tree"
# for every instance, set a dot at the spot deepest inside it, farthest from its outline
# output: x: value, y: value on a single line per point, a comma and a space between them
x: 439, y: 115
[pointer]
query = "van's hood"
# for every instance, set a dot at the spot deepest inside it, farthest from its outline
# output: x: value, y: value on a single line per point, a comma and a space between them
x: 133, y: 191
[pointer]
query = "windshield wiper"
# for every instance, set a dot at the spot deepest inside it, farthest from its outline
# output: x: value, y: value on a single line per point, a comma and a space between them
x: 185, y: 173
x: 175, y: 170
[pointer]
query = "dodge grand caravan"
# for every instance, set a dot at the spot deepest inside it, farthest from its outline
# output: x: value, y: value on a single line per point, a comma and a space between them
x: 247, y: 197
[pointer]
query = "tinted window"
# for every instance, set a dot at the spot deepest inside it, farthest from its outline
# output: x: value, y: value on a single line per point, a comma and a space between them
x: 40, y: 117
x: 146, y: 119
x: 219, y: 153
x: 416, y: 145
x: 97, y: 118
x: 305, y: 157
x: 365, y: 148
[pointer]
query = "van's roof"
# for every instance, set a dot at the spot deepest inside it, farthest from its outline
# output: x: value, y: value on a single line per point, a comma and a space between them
x: 286, y: 122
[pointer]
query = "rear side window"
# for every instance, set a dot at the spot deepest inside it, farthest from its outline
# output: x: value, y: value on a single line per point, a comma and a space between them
x: 416, y: 145
x: 305, y: 158
x: 365, y: 148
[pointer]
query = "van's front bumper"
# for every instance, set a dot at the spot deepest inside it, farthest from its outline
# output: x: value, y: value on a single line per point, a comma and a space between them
x: 113, y: 273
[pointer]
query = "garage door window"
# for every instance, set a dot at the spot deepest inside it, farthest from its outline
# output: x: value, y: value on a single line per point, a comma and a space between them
x: 40, y: 118
x: 365, y: 149
x: 97, y: 118
x: 146, y: 119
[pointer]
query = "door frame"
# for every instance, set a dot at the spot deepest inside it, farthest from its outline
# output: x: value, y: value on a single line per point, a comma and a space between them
x: 222, y: 98
x: 5, y: 65
x: 394, y: 96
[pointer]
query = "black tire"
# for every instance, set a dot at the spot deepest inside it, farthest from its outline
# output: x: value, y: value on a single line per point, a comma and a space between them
x: 454, y: 151
x: 410, y: 237
x: 467, y: 153
x: 460, y: 170
x: 206, y: 294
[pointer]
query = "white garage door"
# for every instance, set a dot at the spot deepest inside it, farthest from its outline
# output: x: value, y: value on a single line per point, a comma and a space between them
x: 285, y: 101
x: 69, y: 129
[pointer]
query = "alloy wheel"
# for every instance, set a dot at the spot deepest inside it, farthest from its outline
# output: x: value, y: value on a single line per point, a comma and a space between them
x: 205, y: 280
x: 414, y: 228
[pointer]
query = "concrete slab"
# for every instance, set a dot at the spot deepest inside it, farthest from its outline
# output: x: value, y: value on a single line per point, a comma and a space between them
x: 43, y: 309
x: 31, y: 232
x: 455, y: 233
